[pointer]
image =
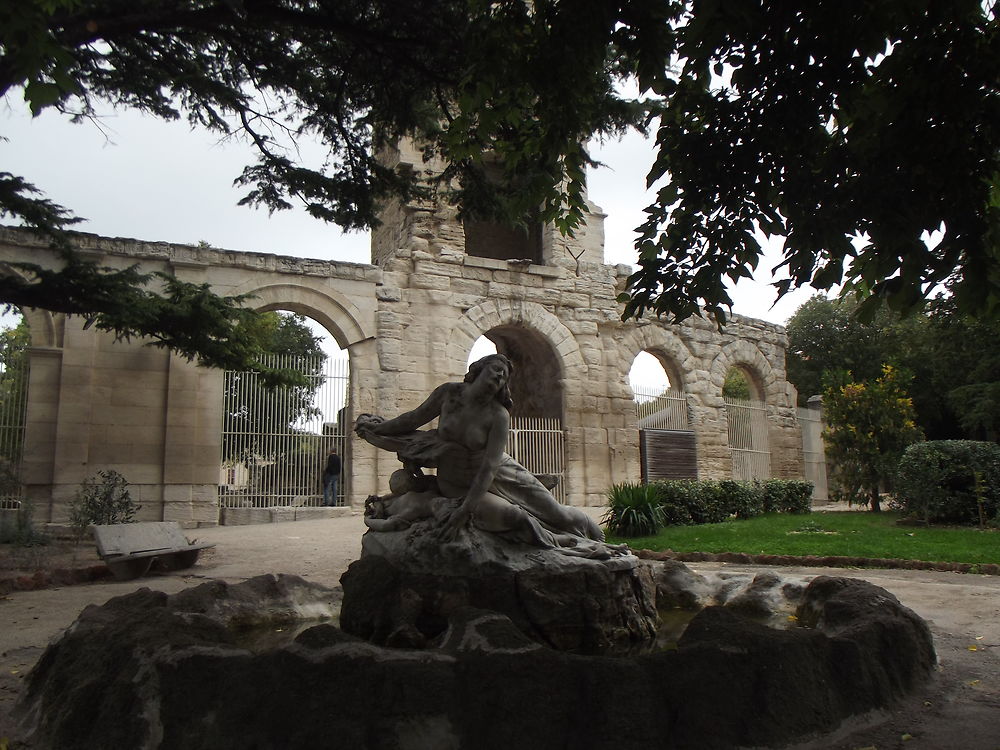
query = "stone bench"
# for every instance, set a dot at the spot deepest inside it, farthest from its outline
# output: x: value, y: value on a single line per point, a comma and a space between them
x: 131, y: 549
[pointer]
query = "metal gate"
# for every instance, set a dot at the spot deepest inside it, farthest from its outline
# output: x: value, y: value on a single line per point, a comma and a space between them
x: 660, y: 409
x: 813, y: 453
x: 537, y: 444
x: 748, y: 438
x: 667, y: 446
x: 14, y: 368
x: 275, y: 441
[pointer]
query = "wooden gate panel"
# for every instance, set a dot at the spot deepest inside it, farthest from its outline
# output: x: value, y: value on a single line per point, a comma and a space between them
x: 668, y: 454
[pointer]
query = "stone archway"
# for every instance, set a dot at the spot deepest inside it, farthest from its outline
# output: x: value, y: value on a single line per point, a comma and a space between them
x: 749, y: 359
x: 497, y: 314
x: 276, y: 441
x: 667, y: 442
x: 542, y: 351
x: 672, y: 353
x: 747, y: 420
x: 335, y: 312
x: 536, y: 383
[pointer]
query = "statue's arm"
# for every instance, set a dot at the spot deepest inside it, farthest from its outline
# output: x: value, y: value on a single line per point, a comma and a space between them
x: 411, y: 420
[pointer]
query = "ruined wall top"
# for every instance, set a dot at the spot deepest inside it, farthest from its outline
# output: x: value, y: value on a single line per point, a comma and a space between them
x: 194, y: 255
x: 435, y: 228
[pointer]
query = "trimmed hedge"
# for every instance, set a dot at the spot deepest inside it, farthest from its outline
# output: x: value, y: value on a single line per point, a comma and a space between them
x: 950, y: 481
x: 684, y: 502
x: 787, y: 496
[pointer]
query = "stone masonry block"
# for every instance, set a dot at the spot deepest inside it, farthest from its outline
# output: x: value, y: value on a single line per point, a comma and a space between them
x: 430, y: 281
x: 388, y: 293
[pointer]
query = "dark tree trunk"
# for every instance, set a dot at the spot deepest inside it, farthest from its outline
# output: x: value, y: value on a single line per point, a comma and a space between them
x: 876, y: 506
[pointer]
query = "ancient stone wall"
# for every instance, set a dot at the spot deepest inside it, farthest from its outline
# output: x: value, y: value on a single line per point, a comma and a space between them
x: 408, y: 323
x: 436, y: 300
x: 95, y: 403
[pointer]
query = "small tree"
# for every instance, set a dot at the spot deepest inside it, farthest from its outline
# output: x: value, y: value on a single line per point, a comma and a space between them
x: 102, y: 499
x: 869, y: 425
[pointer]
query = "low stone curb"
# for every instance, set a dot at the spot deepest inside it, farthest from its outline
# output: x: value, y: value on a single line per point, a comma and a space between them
x: 43, y: 579
x: 72, y: 576
x: 816, y: 561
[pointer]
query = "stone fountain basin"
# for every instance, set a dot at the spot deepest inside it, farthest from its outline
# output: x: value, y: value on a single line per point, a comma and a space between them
x: 150, y: 670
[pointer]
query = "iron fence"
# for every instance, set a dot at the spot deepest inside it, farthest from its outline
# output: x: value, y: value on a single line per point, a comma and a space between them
x: 538, y: 444
x: 748, y: 444
x: 276, y: 441
x: 660, y: 409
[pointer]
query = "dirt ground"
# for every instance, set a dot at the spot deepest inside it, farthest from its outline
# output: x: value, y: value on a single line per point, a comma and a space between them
x: 960, y: 710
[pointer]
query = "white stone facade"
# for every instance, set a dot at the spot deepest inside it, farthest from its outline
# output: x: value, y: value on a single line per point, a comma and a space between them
x: 408, y: 322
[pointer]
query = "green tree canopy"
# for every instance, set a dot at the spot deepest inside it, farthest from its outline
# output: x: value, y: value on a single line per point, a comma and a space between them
x: 954, y: 360
x: 868, y: 427
x: 825, y: 335
x: 736, y: 385
x: 817, y: 122
x: 956, y: 364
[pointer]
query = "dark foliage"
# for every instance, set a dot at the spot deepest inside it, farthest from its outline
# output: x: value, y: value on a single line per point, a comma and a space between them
x: 786, y: 495
x: 634, y: 510
x: 816, y: 122
x: 950, y: 481
x: 876, y: 120
x: 954, y: 360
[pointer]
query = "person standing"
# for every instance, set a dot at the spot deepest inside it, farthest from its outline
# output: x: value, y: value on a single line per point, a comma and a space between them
x: 331, y: 474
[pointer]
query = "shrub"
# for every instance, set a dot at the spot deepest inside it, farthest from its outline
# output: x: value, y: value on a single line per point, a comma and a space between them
x: 676, y: 515
x: 702, y: 499
x: 102, y: 499
x: 786, y: 495
x: 741, y: 499
x: 633, y: 510
x: 682, y: 502
x: 950, y: 481
x: 709, y: 501
x: 17, y: 527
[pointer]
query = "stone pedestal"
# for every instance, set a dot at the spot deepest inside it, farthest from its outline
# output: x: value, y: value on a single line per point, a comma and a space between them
x: 406, y: 586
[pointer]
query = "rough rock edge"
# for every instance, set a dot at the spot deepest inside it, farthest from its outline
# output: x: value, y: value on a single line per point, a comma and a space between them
x: 729, y: 683
x: 402, y: 590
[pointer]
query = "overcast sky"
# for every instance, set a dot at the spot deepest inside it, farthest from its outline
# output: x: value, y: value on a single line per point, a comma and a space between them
x: 139, y: 177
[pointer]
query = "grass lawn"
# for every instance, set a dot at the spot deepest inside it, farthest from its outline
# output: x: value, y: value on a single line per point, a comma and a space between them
x: 847, y: 533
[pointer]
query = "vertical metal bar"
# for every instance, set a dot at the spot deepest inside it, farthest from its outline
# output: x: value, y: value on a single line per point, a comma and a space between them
x: 281, y: 464
x: 14, y: 389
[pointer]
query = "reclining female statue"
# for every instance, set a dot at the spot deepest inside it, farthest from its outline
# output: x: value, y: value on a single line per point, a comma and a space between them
x: 497, y: 494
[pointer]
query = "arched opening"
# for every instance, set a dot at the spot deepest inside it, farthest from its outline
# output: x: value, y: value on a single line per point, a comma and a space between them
x: 667, y: 446
x: 746, y: 417
x: 277, y: 442
x: 536, y: 439
x: 656, y: 387
x: 536, y: 383
x: 743, y: 383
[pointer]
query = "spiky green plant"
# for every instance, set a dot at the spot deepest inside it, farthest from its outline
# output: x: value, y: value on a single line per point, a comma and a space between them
x: 634, y: 510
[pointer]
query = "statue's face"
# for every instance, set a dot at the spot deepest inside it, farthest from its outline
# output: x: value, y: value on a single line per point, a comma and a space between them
x: 495, y: 374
